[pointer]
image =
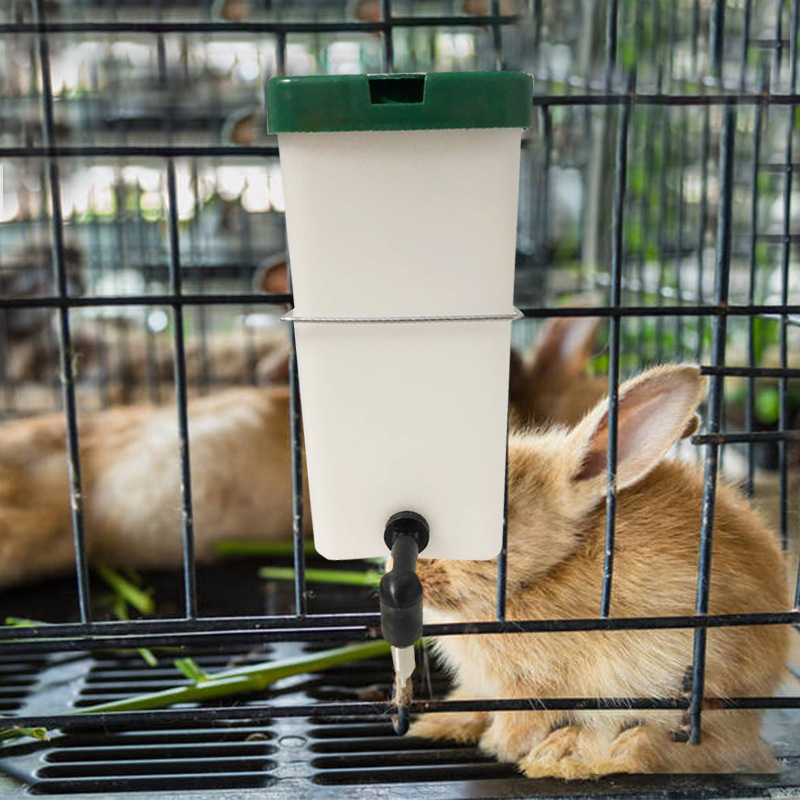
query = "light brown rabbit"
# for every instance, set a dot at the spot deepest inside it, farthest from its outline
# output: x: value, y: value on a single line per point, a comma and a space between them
x: 549, y: 384
x: 240, y: 453
x: 557, y: 485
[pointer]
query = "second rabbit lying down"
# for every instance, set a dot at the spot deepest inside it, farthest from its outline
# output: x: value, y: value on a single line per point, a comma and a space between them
x: 239, y: 443
x: 556, y: 522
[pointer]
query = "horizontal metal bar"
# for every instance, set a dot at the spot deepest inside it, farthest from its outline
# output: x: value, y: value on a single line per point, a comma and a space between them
x: 662, y: 311
x: 166, y: 299
x: 140, y: 151
x: 780, y: 166
x: 214, y: 271
x: 743, y: 438
x: 219, y: 639
x: 265, y: 26
x: 750, y: 372
x: 779, y: 238
x: 180, y: 625
x: 209, y: 632
x: 647, y: 98
x: 125, y: 719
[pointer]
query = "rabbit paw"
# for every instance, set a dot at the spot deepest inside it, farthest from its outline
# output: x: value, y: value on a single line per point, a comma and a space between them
x: 557, y: 756
x: 511, y: 736
x: 635, y: 749
x: 456, y: 727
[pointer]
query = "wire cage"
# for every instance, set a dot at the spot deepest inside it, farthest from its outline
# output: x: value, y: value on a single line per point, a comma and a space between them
x: 142, y: 209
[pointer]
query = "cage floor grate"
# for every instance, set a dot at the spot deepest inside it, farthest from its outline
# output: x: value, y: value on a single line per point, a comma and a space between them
x: 313, y: 757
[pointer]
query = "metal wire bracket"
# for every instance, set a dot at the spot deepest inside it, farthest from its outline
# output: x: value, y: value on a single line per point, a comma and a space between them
x: 292, y: 316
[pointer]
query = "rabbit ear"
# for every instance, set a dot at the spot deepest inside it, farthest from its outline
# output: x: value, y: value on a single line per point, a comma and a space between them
x: 565, y: 347
x: 272, y: 277
x: 274, y: 368
x: 691, y: 427
x: 655, y: 410
x: 516, y: 375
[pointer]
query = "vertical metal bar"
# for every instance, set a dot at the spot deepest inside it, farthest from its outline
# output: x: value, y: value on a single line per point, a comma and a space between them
x: 714, y: 416
x: 751, y: 298
x: 95, y: 269
x: 280, y: 38
x: 5, y: 379
x: 5, y: 349
x: 702, y: 225
x: 187, y: 519
x: 654, y: 43
x: 296, y: 425
x: 679, y: 342
x: 120, y: 254
x: 695, y: 36
x: 642, y: 323
x: 502, y: 558
x: 497, y: 35
x: 296, y: 432
x: 246, y: 281
x: 95, y: 260
x: 638, y: 29
x: 746, y: 22
x: 717, y: 37
x: 611, y: 42
x: 613, y: 347
x: 783, y: 383
x: 778, y: 40
x: 65, y: 340
x: 53, y: 342
x: 671, y: 34
x: 153, y: 376
x: 544, y: 216
x: 205, y: 372
x: 388, y: 31
x: 662, y: 221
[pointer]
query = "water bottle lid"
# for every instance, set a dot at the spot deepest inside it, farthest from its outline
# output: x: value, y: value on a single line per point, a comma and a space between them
x: 403, y: 102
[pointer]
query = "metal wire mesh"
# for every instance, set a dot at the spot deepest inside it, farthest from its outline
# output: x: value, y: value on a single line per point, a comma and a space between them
x: 658, y: 176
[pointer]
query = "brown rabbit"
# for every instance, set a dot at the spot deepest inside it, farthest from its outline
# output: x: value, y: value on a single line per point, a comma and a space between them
x: 557, y: 485
x: 549, y: 384
x: 239, y: 445
x: 241, y: 478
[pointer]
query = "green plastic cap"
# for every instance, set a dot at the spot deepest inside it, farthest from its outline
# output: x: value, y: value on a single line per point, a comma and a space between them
x: 430, y: 101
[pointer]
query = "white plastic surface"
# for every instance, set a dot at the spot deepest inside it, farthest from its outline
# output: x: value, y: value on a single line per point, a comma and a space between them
x: 408, y: 416
x: 403, y: 416
x: 401, y: 223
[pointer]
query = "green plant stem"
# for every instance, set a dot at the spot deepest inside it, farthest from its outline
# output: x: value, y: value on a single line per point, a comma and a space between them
x: 340, y: 576
x: 244, y: 680
x: 125, y: 594
x: 229, y: 547
x: 16, y: 732
x: 131, y: 594
x: 22, y: 622
x: 190, y: 668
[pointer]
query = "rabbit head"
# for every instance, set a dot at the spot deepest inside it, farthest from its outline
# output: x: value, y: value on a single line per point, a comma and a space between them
x: 557, y: 478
